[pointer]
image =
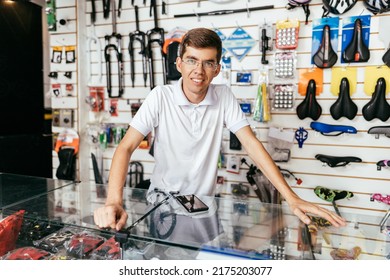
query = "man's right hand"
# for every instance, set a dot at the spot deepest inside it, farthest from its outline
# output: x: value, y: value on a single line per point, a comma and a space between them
x: 110, y: 216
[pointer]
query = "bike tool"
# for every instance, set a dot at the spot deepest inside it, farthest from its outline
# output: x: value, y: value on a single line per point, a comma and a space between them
x: 122, y: 236
x: 139, y: 36
x: 265, y: 41
x: 117, y: 49
x: 155, y: 35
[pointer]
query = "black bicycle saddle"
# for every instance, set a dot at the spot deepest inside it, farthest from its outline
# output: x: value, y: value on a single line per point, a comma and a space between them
x: 66, y: 169
x: 382, y: 163
x: 309, y: 107
x: 386, y: 58
x: 334, y: 161
x: 356, y: 51
x: 377, y: 107
x: 344, y: 106
x: 325, y: 57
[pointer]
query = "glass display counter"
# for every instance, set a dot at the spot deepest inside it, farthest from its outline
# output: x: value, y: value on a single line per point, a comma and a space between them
x: 160, y: 228
x: 16, y: 188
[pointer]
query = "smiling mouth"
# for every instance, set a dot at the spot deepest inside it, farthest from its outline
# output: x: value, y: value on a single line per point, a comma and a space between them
x: 198, y: 81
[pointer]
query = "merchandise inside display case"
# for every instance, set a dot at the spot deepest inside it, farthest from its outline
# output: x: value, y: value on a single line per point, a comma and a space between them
x: 159, y: 227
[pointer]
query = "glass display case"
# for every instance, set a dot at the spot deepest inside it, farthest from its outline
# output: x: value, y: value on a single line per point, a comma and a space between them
x: 16, y: 188
x: 159, y: 227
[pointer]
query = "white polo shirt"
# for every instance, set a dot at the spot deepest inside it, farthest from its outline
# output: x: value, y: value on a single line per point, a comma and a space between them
x: 188, y: 136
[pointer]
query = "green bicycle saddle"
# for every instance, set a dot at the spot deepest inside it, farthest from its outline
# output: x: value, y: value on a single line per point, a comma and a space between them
x: 331, y: 195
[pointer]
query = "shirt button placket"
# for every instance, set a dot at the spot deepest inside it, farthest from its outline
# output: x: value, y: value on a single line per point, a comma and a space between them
x: 196, y: 120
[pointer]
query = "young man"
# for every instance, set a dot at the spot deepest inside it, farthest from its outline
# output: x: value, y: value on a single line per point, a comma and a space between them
x: 188, y: 120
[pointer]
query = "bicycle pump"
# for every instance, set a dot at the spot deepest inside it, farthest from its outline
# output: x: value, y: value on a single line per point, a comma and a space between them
x: 139, y: 36
x: 155, y: 35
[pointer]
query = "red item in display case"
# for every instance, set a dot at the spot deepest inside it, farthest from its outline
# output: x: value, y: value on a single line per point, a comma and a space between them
x: 109, y: 250
x: 81, y: 245
x: 9, y: 231
x: 27, y: 253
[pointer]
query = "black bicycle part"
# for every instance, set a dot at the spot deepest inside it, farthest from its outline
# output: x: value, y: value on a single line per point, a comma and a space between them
x: 107, y: 57
x: 386, y: 58
x: 162, y: 223
x: 344, y: 106
x: 264, y: 45
x: 155, y: 35
x: 172, y: 52
x: 325, y: 57
x: 309, y: 107
x: 382, y: 163
x: 139, y: 36
x: 119, y: 8
x: 356, y: 51
x: 377, y: 107
x: 96, y: 171
x: 93, y: 12
x: 67, y: 167
x: 136, y: 174
x: 336, y: 161
x: 106, y: 8
x: 225, y: 12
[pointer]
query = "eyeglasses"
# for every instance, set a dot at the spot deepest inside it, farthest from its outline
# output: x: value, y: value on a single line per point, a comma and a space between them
x: 208, y: 65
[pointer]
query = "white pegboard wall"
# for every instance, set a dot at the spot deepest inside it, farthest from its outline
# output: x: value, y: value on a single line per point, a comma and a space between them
x: 360, y: 178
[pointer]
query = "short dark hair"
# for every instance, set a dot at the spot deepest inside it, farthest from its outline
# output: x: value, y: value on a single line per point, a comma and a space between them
x: 201, y: 38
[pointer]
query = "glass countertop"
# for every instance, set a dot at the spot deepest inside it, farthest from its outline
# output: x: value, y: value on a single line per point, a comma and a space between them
x: 16, y: 188
x: 230, y: 228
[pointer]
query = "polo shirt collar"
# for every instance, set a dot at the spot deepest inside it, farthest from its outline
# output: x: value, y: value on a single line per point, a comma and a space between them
x: 181, y: 100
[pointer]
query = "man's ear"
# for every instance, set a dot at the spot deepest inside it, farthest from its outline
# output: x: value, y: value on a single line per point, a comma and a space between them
x: 179, y: 63
x: 216, y: 72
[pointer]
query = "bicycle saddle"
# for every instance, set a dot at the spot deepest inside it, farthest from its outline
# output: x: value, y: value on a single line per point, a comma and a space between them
x: 380, y: 198
x: 331, y: 195
x: 325, y: 57
x: 66, y: 169
x: 344, y: 106
x: 309, y: 107
x: 334, y: 161
x: 327, y: 129
x: 382, y: 163
x: 377, y: 107
x: 356, y: 51
x: 386, y: 58
x: 380, y: 130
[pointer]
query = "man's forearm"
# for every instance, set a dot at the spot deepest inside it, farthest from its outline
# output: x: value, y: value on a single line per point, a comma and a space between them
x: 117, y: 177
x: 264, y: 162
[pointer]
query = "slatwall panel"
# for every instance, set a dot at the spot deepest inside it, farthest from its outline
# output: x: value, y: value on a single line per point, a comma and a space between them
x: 360, y: 178
x: 65, y: 35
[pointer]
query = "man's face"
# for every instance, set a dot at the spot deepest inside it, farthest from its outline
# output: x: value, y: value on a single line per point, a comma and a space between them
x: 198, y: 67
